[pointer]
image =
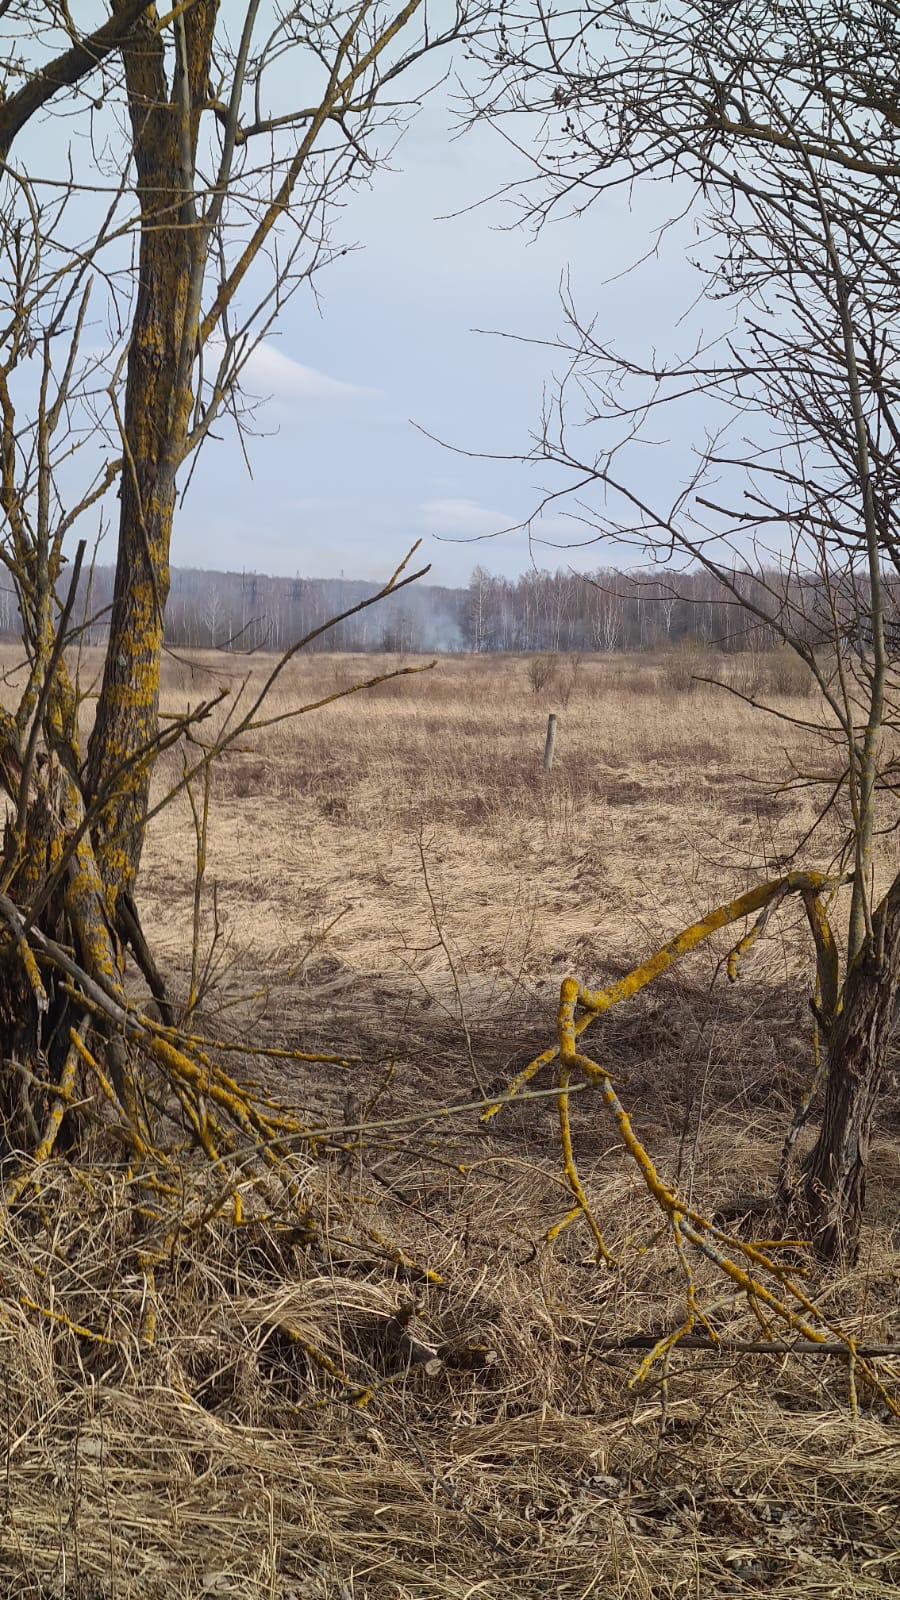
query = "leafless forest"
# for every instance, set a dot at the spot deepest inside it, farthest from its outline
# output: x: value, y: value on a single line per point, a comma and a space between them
x: 606, y: 610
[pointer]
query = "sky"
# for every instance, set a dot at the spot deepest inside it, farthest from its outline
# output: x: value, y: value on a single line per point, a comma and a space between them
x: 345, y: 475
x: 384, y: 394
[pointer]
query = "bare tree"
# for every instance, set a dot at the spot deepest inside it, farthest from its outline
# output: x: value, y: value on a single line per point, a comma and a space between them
x: 188, y: 189
x: 780, y: 128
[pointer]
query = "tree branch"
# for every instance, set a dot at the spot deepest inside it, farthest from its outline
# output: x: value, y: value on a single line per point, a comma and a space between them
x: 65, y: 72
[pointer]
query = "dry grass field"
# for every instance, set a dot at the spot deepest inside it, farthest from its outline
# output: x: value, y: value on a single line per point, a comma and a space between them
x: 394, y: 879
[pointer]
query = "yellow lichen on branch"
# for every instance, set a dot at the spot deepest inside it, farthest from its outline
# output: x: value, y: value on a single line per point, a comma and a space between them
x: 61, y: 1101
x: 744, y: 1264
x: 594, y: 1002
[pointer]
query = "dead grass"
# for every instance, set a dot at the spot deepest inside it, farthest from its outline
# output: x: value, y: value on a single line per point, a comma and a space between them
x: 227, y: 1458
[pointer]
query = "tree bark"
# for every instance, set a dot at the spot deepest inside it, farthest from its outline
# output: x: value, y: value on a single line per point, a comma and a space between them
x: 832, y: 1187
x: 155, y: 422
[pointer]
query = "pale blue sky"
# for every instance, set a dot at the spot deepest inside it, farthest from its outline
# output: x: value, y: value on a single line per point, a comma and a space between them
x: 344, y: 482
x: 342, y: 479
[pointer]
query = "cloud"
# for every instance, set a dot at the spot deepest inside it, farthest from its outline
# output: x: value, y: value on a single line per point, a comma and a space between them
x: 281, y: 377
x: 464, y: 519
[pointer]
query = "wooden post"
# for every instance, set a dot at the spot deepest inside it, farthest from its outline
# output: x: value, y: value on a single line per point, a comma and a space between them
x: 550, y: 743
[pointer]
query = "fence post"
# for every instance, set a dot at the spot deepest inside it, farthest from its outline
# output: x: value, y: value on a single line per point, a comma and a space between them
x: 550, y: 743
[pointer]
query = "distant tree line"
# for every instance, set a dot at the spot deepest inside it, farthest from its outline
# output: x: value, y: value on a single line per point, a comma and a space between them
x: 606, y: 610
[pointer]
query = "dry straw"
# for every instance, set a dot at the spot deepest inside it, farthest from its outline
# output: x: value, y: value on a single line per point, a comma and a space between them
x: 317, y: 1354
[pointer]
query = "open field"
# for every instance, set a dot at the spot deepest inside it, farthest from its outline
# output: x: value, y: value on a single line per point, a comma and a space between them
x: 394, y: 878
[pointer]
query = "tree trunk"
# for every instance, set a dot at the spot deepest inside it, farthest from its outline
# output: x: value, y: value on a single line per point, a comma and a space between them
x: 155, y: 423
x: 88, y: 906
x: 833, y: 1180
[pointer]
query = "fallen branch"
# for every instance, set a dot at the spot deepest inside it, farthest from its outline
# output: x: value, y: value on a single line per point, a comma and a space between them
x: 763, y: 1347
x: 771, y: 1294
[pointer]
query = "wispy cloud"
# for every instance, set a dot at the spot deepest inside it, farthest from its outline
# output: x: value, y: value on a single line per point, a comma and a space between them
x: 273, y: 373
x: 464, y: 519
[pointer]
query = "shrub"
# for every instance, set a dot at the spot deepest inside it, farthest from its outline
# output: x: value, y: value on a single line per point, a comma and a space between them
x: 542, y: 671
x: 783, y: 672
x: 689, y: 660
